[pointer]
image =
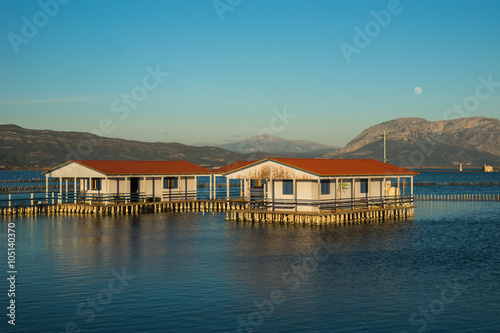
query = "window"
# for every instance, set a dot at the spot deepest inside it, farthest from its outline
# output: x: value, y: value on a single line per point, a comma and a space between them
x: 257, y: 183
x: 288, y: 187
x: 325, y: 186
x: 170, y: 182
x: 363, y: 185
x: 96, y: 184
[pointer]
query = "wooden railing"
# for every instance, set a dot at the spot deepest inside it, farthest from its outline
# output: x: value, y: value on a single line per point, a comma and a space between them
x: 58, y: 198
x: 176, y: 195
x: 254, y: 202
x: 259, y: 202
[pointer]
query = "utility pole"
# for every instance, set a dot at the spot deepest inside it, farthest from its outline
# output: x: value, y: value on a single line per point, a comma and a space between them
x: 385, y: 159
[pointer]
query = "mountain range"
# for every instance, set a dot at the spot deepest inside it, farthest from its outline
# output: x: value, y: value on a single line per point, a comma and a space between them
x: 274, y: 145
x: 410, y: 142
x: 413, y: 142
x: 27, y: 148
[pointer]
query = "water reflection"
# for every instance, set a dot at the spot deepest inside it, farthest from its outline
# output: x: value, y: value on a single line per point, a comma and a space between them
x: 198, y: 272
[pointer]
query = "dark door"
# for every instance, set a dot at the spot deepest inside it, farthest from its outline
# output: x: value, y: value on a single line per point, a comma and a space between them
x: 134, y: 189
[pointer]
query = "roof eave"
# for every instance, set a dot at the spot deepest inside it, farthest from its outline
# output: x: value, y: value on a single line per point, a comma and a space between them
x: 57, y: 167
x: 244, y: 167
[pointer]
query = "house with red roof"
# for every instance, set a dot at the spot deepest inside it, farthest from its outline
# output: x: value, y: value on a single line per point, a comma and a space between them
x: 312, y: 185
x: 109, y: 181
x: 276, y: 184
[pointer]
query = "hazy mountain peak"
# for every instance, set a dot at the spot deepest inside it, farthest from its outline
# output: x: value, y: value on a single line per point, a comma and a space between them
x: 463, y: 140
x: 272, y: 144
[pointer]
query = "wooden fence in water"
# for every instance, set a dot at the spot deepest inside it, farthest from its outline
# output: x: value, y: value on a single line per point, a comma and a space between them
x: 457, y: 197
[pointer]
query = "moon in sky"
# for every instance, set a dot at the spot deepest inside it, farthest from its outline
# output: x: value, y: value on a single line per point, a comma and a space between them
x: 418, y: 90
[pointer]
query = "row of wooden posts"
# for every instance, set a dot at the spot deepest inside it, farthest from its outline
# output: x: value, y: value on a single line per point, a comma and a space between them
x: 123, y: 208
x: 457, y: 197
x: 29, y: 189
x: 235, y: 211
x: 325, y: 218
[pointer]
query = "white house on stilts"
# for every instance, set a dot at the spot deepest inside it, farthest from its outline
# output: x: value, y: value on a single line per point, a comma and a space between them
x: 125, y: 181
x: 315, y: 185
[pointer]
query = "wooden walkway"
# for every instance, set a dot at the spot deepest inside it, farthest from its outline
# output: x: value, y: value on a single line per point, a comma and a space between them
x: 120, y: 208
x: 236, y: 211
x: 338, y: 217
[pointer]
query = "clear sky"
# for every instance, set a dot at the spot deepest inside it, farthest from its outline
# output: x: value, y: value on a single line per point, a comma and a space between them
x: 216, y: 71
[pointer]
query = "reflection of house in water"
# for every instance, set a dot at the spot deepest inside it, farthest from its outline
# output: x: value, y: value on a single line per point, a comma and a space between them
x: 312, y: 185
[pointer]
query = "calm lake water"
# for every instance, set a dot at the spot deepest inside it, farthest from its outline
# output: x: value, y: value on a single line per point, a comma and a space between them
x: 194, y: 272
x: 440, y: 177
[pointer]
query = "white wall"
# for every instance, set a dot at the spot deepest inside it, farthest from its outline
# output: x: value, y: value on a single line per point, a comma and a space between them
x: 344, y: 189
x: 374, y: 187
x: 158, y: 187
x: 72, y: 170
x: 304, y: 190
x: 152, y: 186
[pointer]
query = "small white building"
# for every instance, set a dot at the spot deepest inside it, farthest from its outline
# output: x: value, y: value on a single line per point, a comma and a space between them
x: 487, y: 168
x: 123, y: 181
x: 312, y: 185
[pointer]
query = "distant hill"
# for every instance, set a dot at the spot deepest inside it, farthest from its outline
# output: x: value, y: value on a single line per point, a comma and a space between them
x: 418, y: 142
x: 274, y: 145
x: 411, y: 142
x: 28, y: 148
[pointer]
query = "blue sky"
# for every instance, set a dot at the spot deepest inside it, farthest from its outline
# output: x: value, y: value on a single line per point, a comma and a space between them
x: 226, y: 68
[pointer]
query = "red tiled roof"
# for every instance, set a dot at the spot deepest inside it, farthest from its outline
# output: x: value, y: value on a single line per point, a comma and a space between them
x: 233, y: 166
x: 342, y: 167
x: 143, y: 167
x: 351, y: 167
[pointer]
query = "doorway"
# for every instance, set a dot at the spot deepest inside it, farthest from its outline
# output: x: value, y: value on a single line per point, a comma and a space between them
x: 134, y: 189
